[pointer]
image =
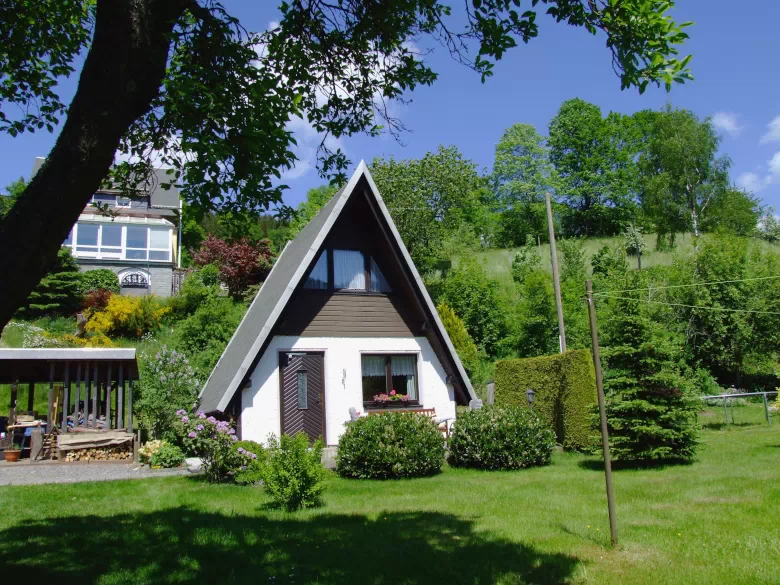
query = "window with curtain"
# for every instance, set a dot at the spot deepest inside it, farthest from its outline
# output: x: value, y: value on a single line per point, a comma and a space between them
x: 378, y: 281
x: 383, y: 373
x: 318, y: 277
x: 349, y: 270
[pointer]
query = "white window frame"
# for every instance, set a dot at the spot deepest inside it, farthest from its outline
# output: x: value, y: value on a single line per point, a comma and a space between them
x: 117, y: 252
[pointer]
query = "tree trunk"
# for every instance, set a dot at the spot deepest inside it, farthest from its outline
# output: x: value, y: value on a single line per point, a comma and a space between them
x: 121, y: 76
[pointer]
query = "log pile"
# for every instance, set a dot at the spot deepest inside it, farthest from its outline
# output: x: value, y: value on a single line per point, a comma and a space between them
x: 108, y: 453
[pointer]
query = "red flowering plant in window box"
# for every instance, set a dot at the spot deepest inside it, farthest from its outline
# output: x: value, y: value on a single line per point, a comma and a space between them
x: 391, y: 399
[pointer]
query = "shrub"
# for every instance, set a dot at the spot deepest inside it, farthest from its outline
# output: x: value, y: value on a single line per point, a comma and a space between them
x: 168, y: 383
x: 252, y: 472
x: 501, y: 437
x: 97, y: 299
x: 99, y: 279
x: 149, y: 449
x: 212, y: 441
x: 565, y: 387
x: 58, y: 291
x: 127, y: 316
x: 461, y: 340
x: 167, y: 456
x: 204, y: 334
x: 294, y: 472
x: 390, y: 445
x: 240, y: 263
x: 197, y: 289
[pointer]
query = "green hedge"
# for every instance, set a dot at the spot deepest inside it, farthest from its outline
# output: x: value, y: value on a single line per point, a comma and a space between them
x: 565, y: 387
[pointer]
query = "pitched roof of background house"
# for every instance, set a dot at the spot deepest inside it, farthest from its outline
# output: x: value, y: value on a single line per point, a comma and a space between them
x: 158, y: 196
x: 257, y: 325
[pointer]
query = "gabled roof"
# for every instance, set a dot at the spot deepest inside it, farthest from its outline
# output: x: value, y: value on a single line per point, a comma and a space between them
x: 258, y: 323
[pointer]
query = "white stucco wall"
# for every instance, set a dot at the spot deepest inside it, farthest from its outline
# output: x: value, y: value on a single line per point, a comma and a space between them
x: 260, y: 403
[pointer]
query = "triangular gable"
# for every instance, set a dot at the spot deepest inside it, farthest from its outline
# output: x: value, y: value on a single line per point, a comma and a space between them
x: 256, y: 328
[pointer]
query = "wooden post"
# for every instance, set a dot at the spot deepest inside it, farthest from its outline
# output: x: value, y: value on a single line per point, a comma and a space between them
x: 108, y: 397
x: 130, y: 408
x: 31, y: 397
x: 556, y: 276
x: 12, y: 406
x: 94, y: 395
x: 120, y: 399
x: 594, y: 335
x: 49, y: 414
x: 66, y: 399
x: 78, y: 396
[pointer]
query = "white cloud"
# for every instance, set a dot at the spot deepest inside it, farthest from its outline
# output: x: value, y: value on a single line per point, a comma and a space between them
x: 727, y: 122
x: 754, y: 182
x: 773, y: 134
x: 751, y: 182
x: 308, y: 140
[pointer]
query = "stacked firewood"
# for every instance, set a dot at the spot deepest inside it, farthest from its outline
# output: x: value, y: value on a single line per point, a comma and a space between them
x: 110, y: 453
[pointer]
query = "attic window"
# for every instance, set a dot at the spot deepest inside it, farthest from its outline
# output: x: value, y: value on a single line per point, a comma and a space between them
x: 378, y: 281
x: 349, y: 270
x: 318, y: 277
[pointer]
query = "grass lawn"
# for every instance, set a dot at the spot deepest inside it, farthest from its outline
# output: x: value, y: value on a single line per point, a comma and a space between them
x: 715, y: 521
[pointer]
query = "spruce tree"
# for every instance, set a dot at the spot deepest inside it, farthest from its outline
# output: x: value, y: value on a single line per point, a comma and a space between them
x: 651, y: 411
x: 58, y: 292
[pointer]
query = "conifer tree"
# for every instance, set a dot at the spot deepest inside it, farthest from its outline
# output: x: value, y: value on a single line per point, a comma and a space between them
x: 461, y: 340
x: 651, y: 411
x: 58, y: 291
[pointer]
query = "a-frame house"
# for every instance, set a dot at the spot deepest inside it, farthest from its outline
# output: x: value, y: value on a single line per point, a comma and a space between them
x: 342, y: 317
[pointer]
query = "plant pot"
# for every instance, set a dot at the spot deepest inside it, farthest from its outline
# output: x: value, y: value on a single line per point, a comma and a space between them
x: 12, y: 455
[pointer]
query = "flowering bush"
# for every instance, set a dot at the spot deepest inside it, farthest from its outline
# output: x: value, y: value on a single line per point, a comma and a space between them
x: 253, y: 471
x: 390, y: 445
x: 168, y: 384
x: 167, y: 456
x: 212, y: 440
x: 392, y: 397
x: 501, y: 437
x: 294, y: 472
x: 127, y: 316
x: 150, y: 448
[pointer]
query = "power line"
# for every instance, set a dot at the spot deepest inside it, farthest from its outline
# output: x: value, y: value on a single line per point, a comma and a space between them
x: 721, y: 309
x: 652, y: 288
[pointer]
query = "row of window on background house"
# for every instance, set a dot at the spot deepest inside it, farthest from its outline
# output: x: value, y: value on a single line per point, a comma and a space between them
x: 350, y: 268
x: 122, y: 242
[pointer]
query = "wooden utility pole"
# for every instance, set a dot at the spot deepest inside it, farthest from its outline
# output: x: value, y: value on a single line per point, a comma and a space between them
x: 556, y: 276
x: 594, y: 335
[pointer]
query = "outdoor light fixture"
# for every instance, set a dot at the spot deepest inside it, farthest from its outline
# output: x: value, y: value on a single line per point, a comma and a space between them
x: 529, y: 395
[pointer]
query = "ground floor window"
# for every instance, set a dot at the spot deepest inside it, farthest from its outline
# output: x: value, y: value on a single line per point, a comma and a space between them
x: 387, y: 372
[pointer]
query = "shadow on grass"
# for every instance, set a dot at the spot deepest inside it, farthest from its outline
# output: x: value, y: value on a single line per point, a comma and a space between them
x: 722, y: 425
x: 184, y: 545
x: 598, y: 464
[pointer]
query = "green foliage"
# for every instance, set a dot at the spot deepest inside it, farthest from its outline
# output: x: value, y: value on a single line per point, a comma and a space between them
x: 733, y: 211
x: 501, y: 437
x: 682, y: 174
x: 565, y: 387
x: 390, y: 445
x: 433, y: 199
x: 168, y: 384
x: 609, y: 261
x: 13, y: 192
x: 595, y: 159
x: 522, y: 174
x: 294, y: 473
x: 212, y: 440
x: 316, y: 199
x: 475, y: 298
x: 167, y: 456
x: 205, y: 334
x: 253, y: 471
x: 127, y: 316
x: 100, y: 279
x: 58, y: 292
x: 769, y: 227
x: 461, y: 340
x: 198, y: 289
x: 651, y: 407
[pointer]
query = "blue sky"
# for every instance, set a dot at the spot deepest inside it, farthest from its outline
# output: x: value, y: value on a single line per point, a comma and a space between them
x: 734, y: 66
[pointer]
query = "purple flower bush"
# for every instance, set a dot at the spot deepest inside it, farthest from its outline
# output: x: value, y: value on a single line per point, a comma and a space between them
x: 212, y: 440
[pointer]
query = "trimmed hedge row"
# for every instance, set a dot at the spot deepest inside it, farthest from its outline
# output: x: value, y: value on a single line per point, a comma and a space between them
x: 390, y: 445
x: 565, y: 387
x: 501, y: 437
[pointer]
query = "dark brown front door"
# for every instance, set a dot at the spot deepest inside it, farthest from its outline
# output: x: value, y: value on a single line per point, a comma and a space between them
x: 303, y: 393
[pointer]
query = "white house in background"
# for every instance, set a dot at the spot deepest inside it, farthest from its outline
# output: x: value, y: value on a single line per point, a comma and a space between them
x: 139, y: 243
x: 342, y: 317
